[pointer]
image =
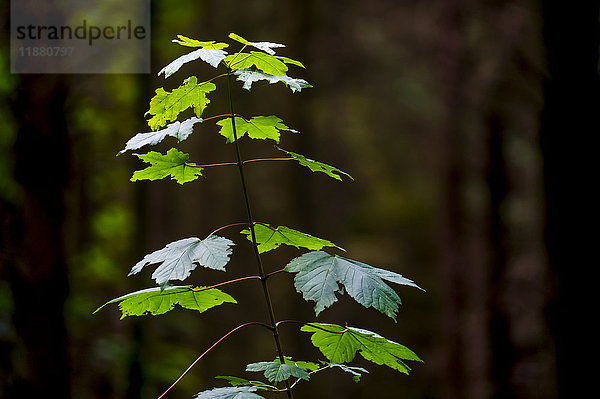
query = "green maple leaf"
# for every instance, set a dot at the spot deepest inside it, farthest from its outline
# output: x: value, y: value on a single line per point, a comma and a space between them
x: 166, y: 106
x: 157, y: 301
x: 319, y: 274
x: 241, y: 392
x: 179, y: 130
x: 187, y: 42
x: 264, y: 62
x: 257, y: 127
x: 317, y: 166
x: 340, y: 345
x: 269, y: 238
x: 178, y: 259
x: 288, y: 60
x: 277, y: 372
x: 174, y: 164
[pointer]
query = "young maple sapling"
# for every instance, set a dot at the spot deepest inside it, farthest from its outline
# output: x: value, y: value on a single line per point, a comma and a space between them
x: 318, y: 274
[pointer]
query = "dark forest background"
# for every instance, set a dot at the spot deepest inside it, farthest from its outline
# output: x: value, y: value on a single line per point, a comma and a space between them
x: 466, y: 125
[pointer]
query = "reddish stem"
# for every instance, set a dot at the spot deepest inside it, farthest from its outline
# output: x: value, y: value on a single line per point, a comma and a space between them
x: 210, y: 348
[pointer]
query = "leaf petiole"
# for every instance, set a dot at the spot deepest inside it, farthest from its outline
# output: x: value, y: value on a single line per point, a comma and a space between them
x: 250, y: 323
x: 210, y: 165
x: 268, y: 159
x: 227, y: 282
x: 227, y: 226
x: 273, y: 273
x: 231, y: 63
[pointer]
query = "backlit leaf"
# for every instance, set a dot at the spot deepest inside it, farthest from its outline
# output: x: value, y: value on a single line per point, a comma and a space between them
x: 257, y: 127
x: 340, y: 345
x: 230, y: 393
x: 291, y: 61
x: 317, y: 166
x: 179, y: 130
x: 179, y: 258
x: 187, y: 42
x: 269, y: 238
x: 318, y: 275
x: 166, y: 106
x: 266, y: 63
x: 174, y: 164
x: 276, y: 372
x: 157, y: 301
x: 249, y: 76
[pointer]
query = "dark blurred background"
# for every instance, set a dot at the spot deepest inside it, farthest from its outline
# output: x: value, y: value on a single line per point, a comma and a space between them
x: 465, y: 125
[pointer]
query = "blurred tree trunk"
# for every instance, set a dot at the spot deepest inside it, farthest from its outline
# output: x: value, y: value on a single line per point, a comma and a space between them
x: 569, y: 121
x: 452, y: 250
x: 37, y: 271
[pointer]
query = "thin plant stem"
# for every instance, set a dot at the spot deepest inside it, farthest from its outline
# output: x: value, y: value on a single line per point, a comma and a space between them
x: 251, y: 323
x: 268, y: 159
x: 215, y: 116
x: 210, y: 165
x: 259, y: 264
x: 227, y: 282
x: 273, y: 273
x: 227, y: 226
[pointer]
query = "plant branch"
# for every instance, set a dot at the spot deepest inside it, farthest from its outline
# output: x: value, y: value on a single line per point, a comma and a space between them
x: 210, y: 165
x: 251, y: 323
x: 227, y: 226
x: 217, y: 77
x: 273, y: 273
x: 268, y: 159
x: 227, y: 282
x: 215, y: 117
x: 259, y: 264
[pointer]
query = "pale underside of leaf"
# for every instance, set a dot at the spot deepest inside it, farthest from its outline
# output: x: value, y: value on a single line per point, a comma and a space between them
x: 267, y: 47
x: 241, y: 392
x: 317, y: 166
x: 356, y: 372
x: 249, y: 76
x: 318, y: 274
x: 157, y: 301
x: 179, y: 258
x: 277, y: 372
x: 173, y: 164
x: 269, y: 238
x: 300, y: 363
x: 211, y: 56
x: 179, y: 130
x: 340, y: 345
